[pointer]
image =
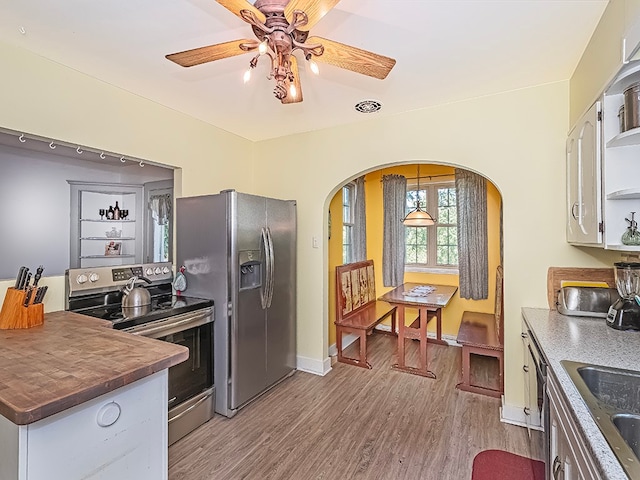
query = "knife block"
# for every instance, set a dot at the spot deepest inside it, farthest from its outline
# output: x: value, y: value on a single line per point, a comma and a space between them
x: 15, y: 315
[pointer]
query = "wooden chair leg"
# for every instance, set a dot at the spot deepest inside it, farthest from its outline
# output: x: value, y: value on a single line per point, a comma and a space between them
x: 466, y: 366
x: 339, y: 343
x: 363, y: 349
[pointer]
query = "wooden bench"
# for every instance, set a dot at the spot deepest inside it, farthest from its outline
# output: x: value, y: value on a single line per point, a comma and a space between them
x: 357, y: 310
x: 482, y: 334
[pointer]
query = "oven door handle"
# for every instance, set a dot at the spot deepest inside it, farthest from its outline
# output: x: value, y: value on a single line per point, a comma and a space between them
x: 174, y: 324
x: 205, y: 396
x: 537, y: 362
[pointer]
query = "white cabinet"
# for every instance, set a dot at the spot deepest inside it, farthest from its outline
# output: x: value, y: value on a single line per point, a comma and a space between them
x: 532, y: 411
x: 119, y: 435
x: 570, y: 459
x: 97, y: 240
x: 621, y: 178
x: 603, y: 171
x: 584, y: 209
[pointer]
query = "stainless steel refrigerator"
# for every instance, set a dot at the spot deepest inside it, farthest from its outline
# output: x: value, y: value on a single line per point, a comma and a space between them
x: 240, y: 251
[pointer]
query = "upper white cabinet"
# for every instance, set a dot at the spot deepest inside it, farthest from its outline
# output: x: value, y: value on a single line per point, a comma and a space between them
x: 603, y: 170
x: 584, y: 209
x: 621, y: 172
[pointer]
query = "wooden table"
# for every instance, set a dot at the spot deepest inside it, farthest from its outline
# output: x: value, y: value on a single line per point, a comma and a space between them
x: 434, y: 302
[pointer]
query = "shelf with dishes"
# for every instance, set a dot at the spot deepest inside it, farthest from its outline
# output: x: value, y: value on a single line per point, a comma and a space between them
x: 121, y: 255
x: 628, y: 76
x: 625, y: 194
x: 108, y: 229
x: 620, y: 167
x: 104, y: 220
x: 625, y: 139
x: 107, y: 238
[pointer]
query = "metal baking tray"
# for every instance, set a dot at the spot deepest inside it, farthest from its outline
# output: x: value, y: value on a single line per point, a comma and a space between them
x: 586, y: 301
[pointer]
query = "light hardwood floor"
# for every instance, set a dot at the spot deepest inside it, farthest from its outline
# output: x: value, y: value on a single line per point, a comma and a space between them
x: 354, y: 424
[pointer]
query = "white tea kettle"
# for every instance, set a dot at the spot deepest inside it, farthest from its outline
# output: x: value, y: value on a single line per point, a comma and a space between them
x: 133, y: 296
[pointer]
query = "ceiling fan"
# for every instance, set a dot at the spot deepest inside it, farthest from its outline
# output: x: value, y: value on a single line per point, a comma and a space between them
x: 281, y: 28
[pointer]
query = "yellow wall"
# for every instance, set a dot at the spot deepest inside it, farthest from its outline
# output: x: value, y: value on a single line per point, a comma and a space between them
x: 335, y: 258
x: 515, y: 139
x: 373, y: 190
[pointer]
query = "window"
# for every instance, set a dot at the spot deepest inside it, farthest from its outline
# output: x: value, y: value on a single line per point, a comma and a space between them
x: 159, y: 231
x: 348, y: 193
x: 434, y: 246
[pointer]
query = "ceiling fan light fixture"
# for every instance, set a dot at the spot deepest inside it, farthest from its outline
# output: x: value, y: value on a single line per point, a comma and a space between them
x: 282, y: 28
x: 368, y: 106
x: 264, y: 45
x: 312, y: 64
x: 247, y: 75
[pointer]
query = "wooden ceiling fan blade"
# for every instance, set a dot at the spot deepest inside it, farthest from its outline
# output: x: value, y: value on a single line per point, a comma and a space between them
x: 234, y: 6
x: 315, y: 10
x: 352, y: 58
x: 296, y: 82
x: 197, y: 56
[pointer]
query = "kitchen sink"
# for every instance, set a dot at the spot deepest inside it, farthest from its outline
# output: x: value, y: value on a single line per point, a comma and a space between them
x: 620, y: 389
x: 612, y: 396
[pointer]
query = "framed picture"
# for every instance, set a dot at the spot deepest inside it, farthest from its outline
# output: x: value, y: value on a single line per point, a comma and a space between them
x: 113, y: 248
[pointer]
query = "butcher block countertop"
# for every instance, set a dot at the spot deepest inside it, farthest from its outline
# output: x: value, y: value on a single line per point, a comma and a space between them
x: 70, y: 359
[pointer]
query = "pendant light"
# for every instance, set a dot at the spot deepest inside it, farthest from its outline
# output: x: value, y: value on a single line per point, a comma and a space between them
x: 418, y: 217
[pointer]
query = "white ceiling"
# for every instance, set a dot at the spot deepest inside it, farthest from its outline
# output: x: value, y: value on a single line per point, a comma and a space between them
x: 446, y: 50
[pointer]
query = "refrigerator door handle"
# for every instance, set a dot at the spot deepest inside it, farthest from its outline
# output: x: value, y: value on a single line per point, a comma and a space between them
x: 271, y: 267
x: 264, y: 291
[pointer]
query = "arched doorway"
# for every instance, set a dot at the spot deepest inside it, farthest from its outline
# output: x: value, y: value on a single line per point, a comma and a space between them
x: 433, y: 176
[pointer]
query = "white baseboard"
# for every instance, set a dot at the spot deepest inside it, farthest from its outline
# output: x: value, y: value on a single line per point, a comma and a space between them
x: 512, y: 414
x: 347, y: 340
x: 311, y: 365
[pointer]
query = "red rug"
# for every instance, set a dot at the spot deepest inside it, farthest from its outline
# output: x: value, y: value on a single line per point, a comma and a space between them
x: 501, y: 465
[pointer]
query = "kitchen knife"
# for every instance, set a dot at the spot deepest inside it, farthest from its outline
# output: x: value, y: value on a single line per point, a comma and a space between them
x: 28, y: 296
x: 44, y: 292
x: 26, y: 283
x: 40, y: 294
x: 23, y: 278
x: 36, y: 279
x: 19, y: 277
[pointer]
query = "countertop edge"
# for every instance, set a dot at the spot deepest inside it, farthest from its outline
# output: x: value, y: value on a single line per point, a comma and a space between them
x: 548, y: 327
x: 26, y: 417
x: 37, y: 357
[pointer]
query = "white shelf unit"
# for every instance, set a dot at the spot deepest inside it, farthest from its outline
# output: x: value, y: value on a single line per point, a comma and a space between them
x: 621, y: 162
x: 90, y: 234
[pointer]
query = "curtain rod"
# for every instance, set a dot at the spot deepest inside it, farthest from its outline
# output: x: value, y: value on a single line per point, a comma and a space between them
x: 429, y: 176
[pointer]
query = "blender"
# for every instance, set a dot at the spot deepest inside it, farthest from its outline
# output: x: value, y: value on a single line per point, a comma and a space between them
x: 624, y: 314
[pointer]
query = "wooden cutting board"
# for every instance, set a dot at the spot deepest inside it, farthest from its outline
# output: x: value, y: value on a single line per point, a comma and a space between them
x: 555, y: 276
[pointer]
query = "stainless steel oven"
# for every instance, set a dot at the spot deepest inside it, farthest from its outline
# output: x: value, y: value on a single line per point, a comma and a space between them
x: 186, y: 321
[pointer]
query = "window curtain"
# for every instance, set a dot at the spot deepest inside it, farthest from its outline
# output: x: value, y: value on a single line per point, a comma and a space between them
x: 160, y: 206
x: 360, y: 222
x: 471, y: 193
x: 394, y: 197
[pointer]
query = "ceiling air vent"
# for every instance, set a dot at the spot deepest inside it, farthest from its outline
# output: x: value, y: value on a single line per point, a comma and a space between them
x: 368, y: 106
